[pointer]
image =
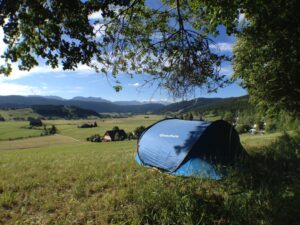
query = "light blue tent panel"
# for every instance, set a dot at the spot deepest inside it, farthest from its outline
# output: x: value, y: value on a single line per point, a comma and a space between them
x: 166, y: 144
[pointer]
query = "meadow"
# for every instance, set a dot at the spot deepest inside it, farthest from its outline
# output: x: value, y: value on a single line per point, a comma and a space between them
x: 63, y: 179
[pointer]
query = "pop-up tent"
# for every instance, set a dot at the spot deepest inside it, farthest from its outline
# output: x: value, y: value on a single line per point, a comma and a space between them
x: 189, y: 148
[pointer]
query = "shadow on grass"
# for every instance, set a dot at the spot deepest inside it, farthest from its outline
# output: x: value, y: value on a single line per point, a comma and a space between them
x: 270, y: 178
x: 261, y: 189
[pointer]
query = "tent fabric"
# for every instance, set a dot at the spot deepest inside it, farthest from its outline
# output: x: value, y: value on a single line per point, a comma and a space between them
x: 188, y: 148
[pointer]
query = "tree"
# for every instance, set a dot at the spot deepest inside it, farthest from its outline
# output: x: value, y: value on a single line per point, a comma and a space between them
x: 139, y: 130
x: 53, y: 130
x: 229, y: 117
x: 191, y: 117
x: 166, y: 42
x: 130, y: 136
x: 171, y: 42
x: 33, y: 122
x: 115, y: 128
x: 267, y: 56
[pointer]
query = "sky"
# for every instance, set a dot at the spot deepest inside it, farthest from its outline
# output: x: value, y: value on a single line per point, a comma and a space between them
x: 45, y: 81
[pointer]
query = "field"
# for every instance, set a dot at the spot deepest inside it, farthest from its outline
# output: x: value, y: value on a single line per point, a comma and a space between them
x: 63, y: 179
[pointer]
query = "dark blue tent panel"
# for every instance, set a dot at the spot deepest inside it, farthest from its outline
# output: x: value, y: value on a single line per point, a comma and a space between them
x: 188, y: 148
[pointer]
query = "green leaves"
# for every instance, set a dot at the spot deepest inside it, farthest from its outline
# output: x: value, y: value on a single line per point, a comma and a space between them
x: 267, y: 59
x: 170, y: 42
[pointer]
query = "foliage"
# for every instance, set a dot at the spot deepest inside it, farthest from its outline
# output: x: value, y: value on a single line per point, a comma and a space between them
x: 115, y: 128
x: 229, y: 117
x: 171, y: 42
x: 167, y: 42
x: 87, y: 125
x: 58, y: 31
x: 34, y: 122
x: 138, y: 131
x: 242, y: 128
x: 131, y: 136
x: 94, y: 138
x: 267, y: 55
x: 2, y: 118
x: 49, y: 131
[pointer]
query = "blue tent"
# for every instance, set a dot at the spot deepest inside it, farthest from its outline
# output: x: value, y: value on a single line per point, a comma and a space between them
x: 188, y: 148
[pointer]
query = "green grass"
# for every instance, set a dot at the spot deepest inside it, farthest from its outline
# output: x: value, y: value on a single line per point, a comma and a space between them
x: 16, y: 130
x: 69, y: 128
x: 211, y: 117
x: 10, y: 130
x: 100, y: 183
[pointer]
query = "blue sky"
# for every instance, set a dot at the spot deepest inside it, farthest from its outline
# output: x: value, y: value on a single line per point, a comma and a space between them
x: 44, y: 80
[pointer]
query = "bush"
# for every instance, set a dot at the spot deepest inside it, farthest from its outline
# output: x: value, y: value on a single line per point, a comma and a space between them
x: 33, y: 122
x: 49, y: 131
x: 271, y: 126
x: 242, y: 128
x: 115, y: 128
x: 131, y: 136
x: 87, y: 125
x: 94, y: 138
x: 138, y: 131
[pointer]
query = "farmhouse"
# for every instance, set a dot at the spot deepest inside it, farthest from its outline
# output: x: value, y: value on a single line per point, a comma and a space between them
x: 114, y: 135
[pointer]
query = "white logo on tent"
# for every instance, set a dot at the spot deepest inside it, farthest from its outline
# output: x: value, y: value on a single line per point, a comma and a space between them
x: 168, y: 135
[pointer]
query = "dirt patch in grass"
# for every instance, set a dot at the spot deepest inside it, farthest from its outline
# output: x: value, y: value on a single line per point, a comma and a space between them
x: 36, y: 142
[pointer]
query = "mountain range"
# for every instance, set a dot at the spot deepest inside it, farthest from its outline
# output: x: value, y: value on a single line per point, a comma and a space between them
x: 101, y: 105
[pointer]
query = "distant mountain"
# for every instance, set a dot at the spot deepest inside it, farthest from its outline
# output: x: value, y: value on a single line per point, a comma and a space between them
x: 205, y: 104
x: 129, y: 103
x: 54, y: 97
x: 90, y: 99
x: 15, y: 101
x: 100, y: 105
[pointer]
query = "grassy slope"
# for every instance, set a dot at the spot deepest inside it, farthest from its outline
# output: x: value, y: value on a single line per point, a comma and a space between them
x: 90, y: 183
x: 18, y: 113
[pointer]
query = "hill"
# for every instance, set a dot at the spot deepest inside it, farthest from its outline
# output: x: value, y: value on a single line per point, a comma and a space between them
x: 208, y: 104
x: 15, y: 101
x: 100, y: 105
x: 48, y: 112
x: 60, y: 111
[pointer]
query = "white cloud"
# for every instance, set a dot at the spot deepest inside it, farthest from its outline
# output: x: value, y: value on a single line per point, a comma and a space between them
x: 19, y: 89
x: 82, y: 70
x: 137, y: 84
x: 222, y: 46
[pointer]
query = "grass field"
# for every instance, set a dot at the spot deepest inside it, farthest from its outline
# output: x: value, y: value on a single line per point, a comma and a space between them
x: 58, y: 180
x: 10, y: 130
x: 16, y: 130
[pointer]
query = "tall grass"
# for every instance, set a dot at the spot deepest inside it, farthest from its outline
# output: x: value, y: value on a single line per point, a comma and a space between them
x: 84, y: 183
